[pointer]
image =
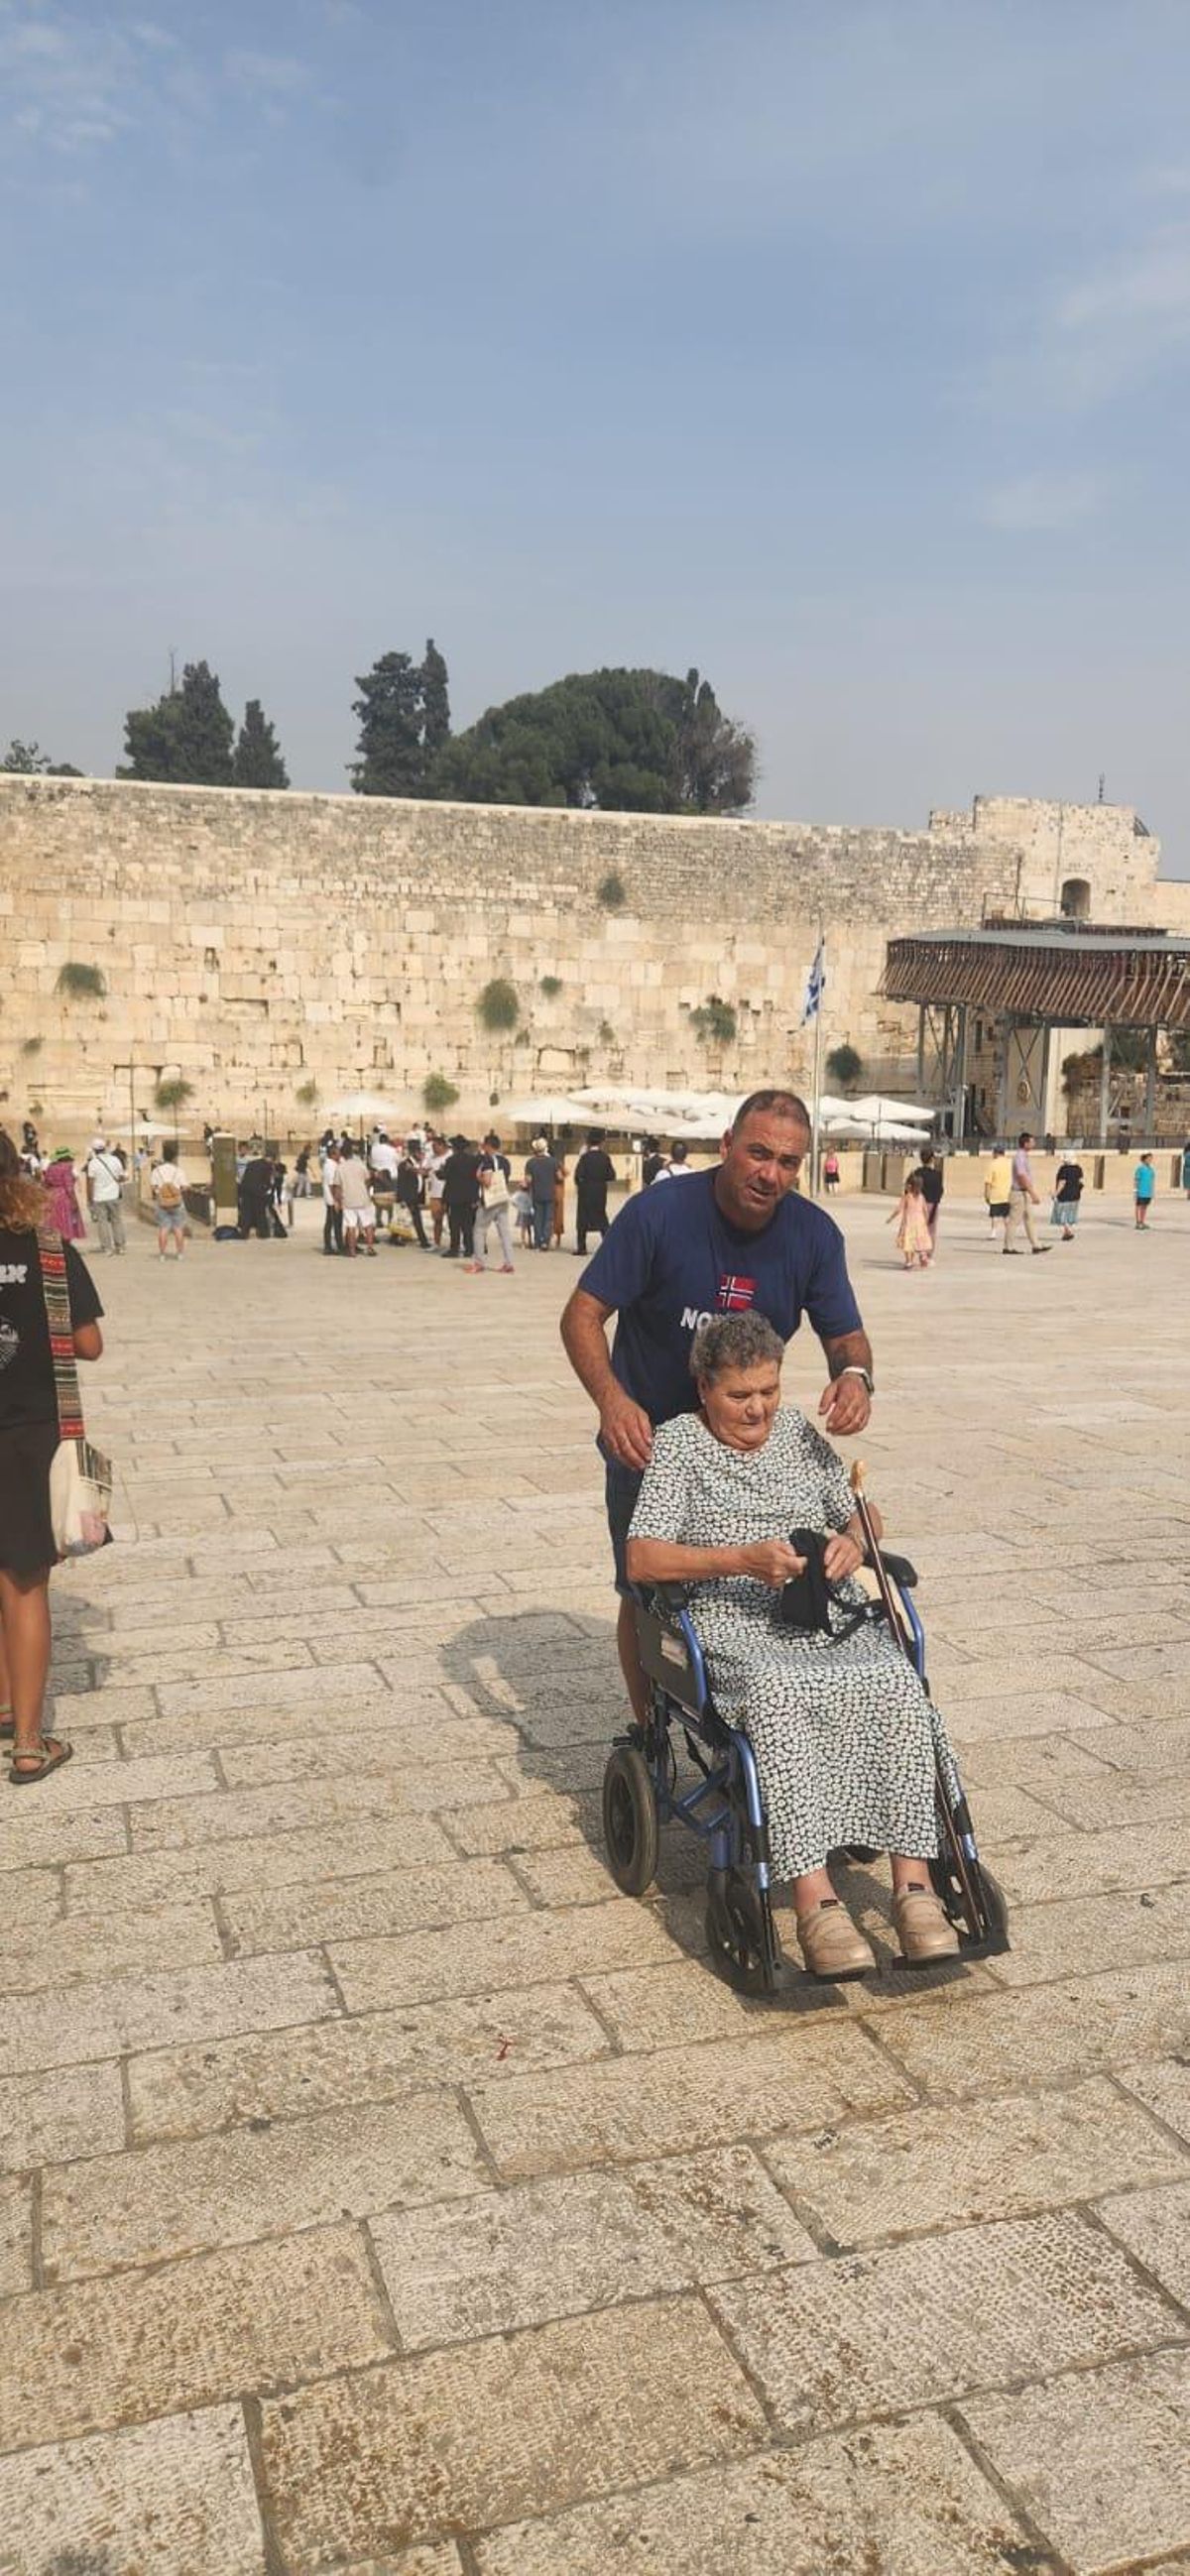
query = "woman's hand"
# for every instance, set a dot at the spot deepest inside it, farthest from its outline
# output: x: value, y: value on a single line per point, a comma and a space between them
x: 772, y: 1561
x: 841, y: 1555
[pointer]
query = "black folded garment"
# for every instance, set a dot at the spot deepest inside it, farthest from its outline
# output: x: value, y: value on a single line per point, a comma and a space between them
x: 805, y: 1601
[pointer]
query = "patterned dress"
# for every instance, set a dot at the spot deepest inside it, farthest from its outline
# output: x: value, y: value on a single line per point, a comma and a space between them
x: 843, y: 1733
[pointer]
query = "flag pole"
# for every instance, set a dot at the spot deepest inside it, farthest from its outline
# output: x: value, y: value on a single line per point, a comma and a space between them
x: 815, y: 1144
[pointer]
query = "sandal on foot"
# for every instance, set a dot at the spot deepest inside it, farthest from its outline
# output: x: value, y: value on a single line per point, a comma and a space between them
x: 922, y: 1927
x: 830, y: 1944
x: 49, y: 1753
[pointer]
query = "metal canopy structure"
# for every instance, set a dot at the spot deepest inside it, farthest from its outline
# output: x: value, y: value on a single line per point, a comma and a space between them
x: 1074, y: 978
x: 1034, y: 978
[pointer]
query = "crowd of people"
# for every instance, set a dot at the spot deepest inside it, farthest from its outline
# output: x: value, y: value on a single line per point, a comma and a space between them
x: 462, y: 1190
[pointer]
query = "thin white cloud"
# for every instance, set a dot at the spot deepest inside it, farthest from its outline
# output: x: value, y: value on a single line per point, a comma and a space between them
x: 1033, y: 503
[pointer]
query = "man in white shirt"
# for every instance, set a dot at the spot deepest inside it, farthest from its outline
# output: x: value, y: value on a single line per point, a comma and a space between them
x: 104, y: 1176
x: 383, y: 1157
x: 332, y: 1213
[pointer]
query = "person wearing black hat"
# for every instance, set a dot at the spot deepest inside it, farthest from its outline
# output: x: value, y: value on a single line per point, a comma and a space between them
x: 594, y: 1173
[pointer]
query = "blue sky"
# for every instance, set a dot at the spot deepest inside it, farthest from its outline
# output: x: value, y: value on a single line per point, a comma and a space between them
x: 838, y: 346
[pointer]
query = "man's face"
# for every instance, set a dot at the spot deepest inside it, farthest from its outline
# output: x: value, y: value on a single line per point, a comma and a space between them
x: 761, y: 1163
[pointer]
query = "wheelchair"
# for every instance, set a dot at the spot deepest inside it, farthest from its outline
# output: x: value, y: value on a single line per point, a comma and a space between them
x: 725, y: 1808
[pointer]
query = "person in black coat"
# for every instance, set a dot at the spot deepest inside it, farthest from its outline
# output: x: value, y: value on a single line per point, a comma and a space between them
x: 460, y: 1197
x: 409, y: 1191
x: 594, y: 1173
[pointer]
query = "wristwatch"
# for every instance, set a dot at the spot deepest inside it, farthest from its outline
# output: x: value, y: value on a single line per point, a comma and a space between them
x: 853, y: 1369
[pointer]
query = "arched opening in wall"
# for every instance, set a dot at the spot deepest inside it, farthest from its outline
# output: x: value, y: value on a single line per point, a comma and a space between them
x: 1076, y: 899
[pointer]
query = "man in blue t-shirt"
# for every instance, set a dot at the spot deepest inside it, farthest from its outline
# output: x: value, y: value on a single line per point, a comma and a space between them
x: 736, y: 1238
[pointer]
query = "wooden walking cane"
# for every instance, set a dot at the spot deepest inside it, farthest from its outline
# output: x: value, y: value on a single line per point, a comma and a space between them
x: 956, y: 1837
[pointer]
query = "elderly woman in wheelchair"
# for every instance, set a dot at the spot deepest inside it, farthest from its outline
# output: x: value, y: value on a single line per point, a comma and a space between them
x: 848, y: 1749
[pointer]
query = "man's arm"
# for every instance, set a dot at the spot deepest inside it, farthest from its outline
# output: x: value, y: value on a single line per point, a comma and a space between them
x: 625, y: 1426
x: 846, y: 1402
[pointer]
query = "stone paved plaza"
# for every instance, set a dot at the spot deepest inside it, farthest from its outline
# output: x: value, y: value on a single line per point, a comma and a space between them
x: 380, y: 2191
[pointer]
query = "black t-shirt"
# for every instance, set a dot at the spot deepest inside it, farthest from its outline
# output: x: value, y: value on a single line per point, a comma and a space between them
x: 931, y: 1183
x: 26, y: 1366
x: 1069, y: 1184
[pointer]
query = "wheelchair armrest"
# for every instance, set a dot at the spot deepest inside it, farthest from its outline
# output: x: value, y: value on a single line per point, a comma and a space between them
x: 901, y: 1570
x: 665, y: 1599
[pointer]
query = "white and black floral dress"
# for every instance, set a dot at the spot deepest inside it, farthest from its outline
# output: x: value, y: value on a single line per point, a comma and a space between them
x: 843, y: 1733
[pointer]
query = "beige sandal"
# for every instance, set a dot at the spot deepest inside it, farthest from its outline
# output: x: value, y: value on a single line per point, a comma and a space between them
x: 49, y: 1753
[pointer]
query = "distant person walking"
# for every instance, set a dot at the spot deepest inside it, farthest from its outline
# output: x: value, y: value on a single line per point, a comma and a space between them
x: 1186, y: 1167
x: 929, y: 1175
x: 355, y: 1200
x: 997, y: 1190
x: 409, y: 1190
x: 594, y: 1173
x: 169, y: 1198
x: 1068, y: 1192
x: 495, y: 1177
x: 28, y: 1440
x: 460, y: 1192
x: 332, y: 1211
x: 1144, y: 1188
x: 1022, y: 1199
x: 652, y: 1162
x: 830, y: 1172
x: 63, y: 1214
x: 540, y: 1182
x: 103, y: 1173
x: 911, y: 1218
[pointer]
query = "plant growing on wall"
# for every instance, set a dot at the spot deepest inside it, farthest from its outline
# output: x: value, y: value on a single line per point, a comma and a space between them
x: 551, y: 986
x: 32, y: 1046
x: 611, y: 892
x: 498, y: 1007
x: 307, y: 1093
x: 173, y: 1092
x: 607, y: 1035
x: 77, y: 981
x: 714, y: 1022
x: 438, y: 1094
x: 844, y: 1065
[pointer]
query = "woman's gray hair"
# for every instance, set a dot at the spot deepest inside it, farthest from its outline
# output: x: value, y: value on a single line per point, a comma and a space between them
x: 733, y: 1342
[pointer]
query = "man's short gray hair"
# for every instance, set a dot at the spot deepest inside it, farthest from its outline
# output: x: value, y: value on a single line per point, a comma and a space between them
x: 733, y: 1342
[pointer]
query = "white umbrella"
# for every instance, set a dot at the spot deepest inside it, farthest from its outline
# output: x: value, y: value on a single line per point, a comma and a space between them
x: 551, y: 1109
x: 875, y: 1109
x: 144, y: 1128
x: 861, y: 1131
x: 365, y: 1104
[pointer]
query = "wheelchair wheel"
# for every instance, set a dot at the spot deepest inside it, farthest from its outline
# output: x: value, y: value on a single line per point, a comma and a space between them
x: 741, y: 1936
x: 984, y: 1933
x: 630, y: 1829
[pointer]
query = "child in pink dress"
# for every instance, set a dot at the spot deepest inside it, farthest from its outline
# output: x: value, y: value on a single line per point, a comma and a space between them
x: 914, y: 1241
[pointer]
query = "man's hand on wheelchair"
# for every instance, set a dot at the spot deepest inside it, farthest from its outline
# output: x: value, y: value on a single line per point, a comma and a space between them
x: 772, y: 1561
x: 625, y: 1429
x: 846, y: 1404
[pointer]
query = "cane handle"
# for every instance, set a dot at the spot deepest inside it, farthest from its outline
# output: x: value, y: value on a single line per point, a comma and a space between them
x: 858, y: 1473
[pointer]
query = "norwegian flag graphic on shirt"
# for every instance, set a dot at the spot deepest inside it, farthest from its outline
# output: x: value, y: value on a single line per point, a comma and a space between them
x: 735, y: 1293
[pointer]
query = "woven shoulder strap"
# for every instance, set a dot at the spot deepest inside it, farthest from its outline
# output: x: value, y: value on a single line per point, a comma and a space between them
x: 57, y: 1312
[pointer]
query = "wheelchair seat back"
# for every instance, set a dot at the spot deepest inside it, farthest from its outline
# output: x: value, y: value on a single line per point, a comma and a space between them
x: 667, y: 1659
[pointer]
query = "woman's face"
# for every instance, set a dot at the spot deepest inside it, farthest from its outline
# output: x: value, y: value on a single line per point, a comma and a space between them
x: 740, y: 1404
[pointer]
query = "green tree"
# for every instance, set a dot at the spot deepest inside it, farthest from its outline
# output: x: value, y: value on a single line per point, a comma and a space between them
x: 186, y: 738
x: 628, y: 741
x: 28, y: 760
x: 435, y: 701
x: 404, y: 724
x: 257, y: 760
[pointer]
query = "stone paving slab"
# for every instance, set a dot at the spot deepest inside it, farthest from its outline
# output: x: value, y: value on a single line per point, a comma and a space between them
x: 925, y: 2169
x: 102, y: 2016
x: 174, y: 2497
x: 356, y: 1848
x: 1085, y: 1864
x: 900, y: 2500
x: 514, y: 1950
x: 1133, y: 1929
x: 1101, y: 2461
x: 52, y: 2118
x: 690, y: 2097
x: 922, y: 2324
x: 393, y: 1901
x: 166, y: 2201
x: 374, y: 2057
x: 181, y: 1824
x: 16, y: 2236
x: 581, y: 2241
x: 172, y: 1935
x: 1155, y: 2226
x: 1165, y: 2089
x: 29, y: 1838
x: 111, y: 2352
x: 994, y: 2043
x: 375, y: 2460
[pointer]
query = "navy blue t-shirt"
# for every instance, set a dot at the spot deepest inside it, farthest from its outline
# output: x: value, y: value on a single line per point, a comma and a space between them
x: 670, y: 1260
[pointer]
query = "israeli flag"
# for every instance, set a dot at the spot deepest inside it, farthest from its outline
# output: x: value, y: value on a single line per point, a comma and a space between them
x: 816, y: 986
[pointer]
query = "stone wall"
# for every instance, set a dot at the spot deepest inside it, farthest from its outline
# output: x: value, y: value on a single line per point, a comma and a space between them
x: 254, y: 943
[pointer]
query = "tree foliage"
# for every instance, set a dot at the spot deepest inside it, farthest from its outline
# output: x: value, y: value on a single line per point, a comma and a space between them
x: 186, y: 738
x: 257, y: 760
x: 628, y: 741
x: 844, y: 1064
x: 28, y: 760
x: 404, y: 724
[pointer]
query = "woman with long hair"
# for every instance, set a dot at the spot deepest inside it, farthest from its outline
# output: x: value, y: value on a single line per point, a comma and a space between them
x: 63, y: 1214
x: 28, y: 1440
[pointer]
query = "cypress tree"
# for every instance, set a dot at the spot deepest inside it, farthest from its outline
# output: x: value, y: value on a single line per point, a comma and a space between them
x: 257, y: 761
